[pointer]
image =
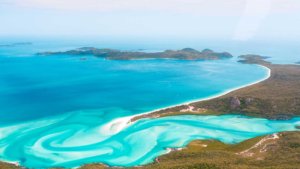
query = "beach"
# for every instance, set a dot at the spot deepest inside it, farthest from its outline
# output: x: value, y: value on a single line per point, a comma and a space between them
x: 157, y: 113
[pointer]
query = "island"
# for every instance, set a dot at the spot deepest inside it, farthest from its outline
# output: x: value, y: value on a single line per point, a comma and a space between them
x: 277, y: 97
x: 254, y: 59
x: 16, y: 44
x: 112, y: 54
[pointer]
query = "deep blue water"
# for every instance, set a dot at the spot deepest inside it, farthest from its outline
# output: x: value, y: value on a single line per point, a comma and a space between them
x: 34, y: 87
x: 65, y: 111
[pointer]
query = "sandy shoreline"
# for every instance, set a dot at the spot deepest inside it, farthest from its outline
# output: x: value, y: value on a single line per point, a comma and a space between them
x: 134, y: 118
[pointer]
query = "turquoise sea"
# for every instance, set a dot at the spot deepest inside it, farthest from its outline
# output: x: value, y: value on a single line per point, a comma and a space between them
x: 65, y: 111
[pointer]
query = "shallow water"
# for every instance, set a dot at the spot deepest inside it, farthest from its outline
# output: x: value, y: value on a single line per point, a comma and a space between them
x: 83, y: 137
x: 64, y: 111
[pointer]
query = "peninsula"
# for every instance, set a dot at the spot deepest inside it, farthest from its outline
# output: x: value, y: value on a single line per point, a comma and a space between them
x: 112, y: 54
x: 278, y: 97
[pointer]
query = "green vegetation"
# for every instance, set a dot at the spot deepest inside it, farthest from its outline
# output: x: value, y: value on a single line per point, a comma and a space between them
x: 276, y: 98
x: 8, y: 166
x: 282, y: 153
x: 111, y: 54
x: 254, y: 59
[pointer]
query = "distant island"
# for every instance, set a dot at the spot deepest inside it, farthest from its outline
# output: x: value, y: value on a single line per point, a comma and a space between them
x: 112, y: 54
x: 15, y: 44
x: 253, y: 59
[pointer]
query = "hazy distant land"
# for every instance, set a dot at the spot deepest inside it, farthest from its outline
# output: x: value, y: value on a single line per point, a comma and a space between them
x: 112, y: 54
x: 16, y: 44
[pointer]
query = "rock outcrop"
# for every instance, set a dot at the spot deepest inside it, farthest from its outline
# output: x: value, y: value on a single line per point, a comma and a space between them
x: 235, y: 103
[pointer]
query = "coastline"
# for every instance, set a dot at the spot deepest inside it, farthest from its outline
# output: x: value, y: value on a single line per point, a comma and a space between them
x: 148, y: 114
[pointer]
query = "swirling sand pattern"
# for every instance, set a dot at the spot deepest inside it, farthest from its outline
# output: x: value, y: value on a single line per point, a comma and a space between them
x: 88, y: 136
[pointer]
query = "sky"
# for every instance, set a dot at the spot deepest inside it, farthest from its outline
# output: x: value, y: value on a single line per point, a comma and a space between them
x: 237, y: 20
